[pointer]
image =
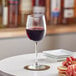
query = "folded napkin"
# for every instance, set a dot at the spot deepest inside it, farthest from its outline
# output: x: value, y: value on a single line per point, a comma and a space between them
x: 59, y: 54
x: 5, y: 74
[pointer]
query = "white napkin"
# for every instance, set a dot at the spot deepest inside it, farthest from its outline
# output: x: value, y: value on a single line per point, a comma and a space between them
x: 57, y: 54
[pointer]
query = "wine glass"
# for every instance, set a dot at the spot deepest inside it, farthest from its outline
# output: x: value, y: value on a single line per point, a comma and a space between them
x: 36, y: 30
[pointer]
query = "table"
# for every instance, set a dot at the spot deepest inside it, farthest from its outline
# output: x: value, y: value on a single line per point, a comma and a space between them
x: 15, y: 65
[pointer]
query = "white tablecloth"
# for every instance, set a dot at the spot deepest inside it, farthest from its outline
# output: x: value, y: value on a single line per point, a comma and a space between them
x: 15, y: 65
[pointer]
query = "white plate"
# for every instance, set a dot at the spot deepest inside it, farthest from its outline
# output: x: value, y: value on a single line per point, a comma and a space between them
x: 15, y: 66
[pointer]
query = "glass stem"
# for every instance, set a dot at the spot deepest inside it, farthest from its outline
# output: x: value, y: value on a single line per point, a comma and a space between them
x: 36, y: 54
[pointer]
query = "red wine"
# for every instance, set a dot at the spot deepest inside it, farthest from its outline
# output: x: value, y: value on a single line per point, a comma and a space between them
x: 35, y: 34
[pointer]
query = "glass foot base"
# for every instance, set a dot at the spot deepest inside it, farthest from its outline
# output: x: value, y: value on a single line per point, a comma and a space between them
x: 37, y: 68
